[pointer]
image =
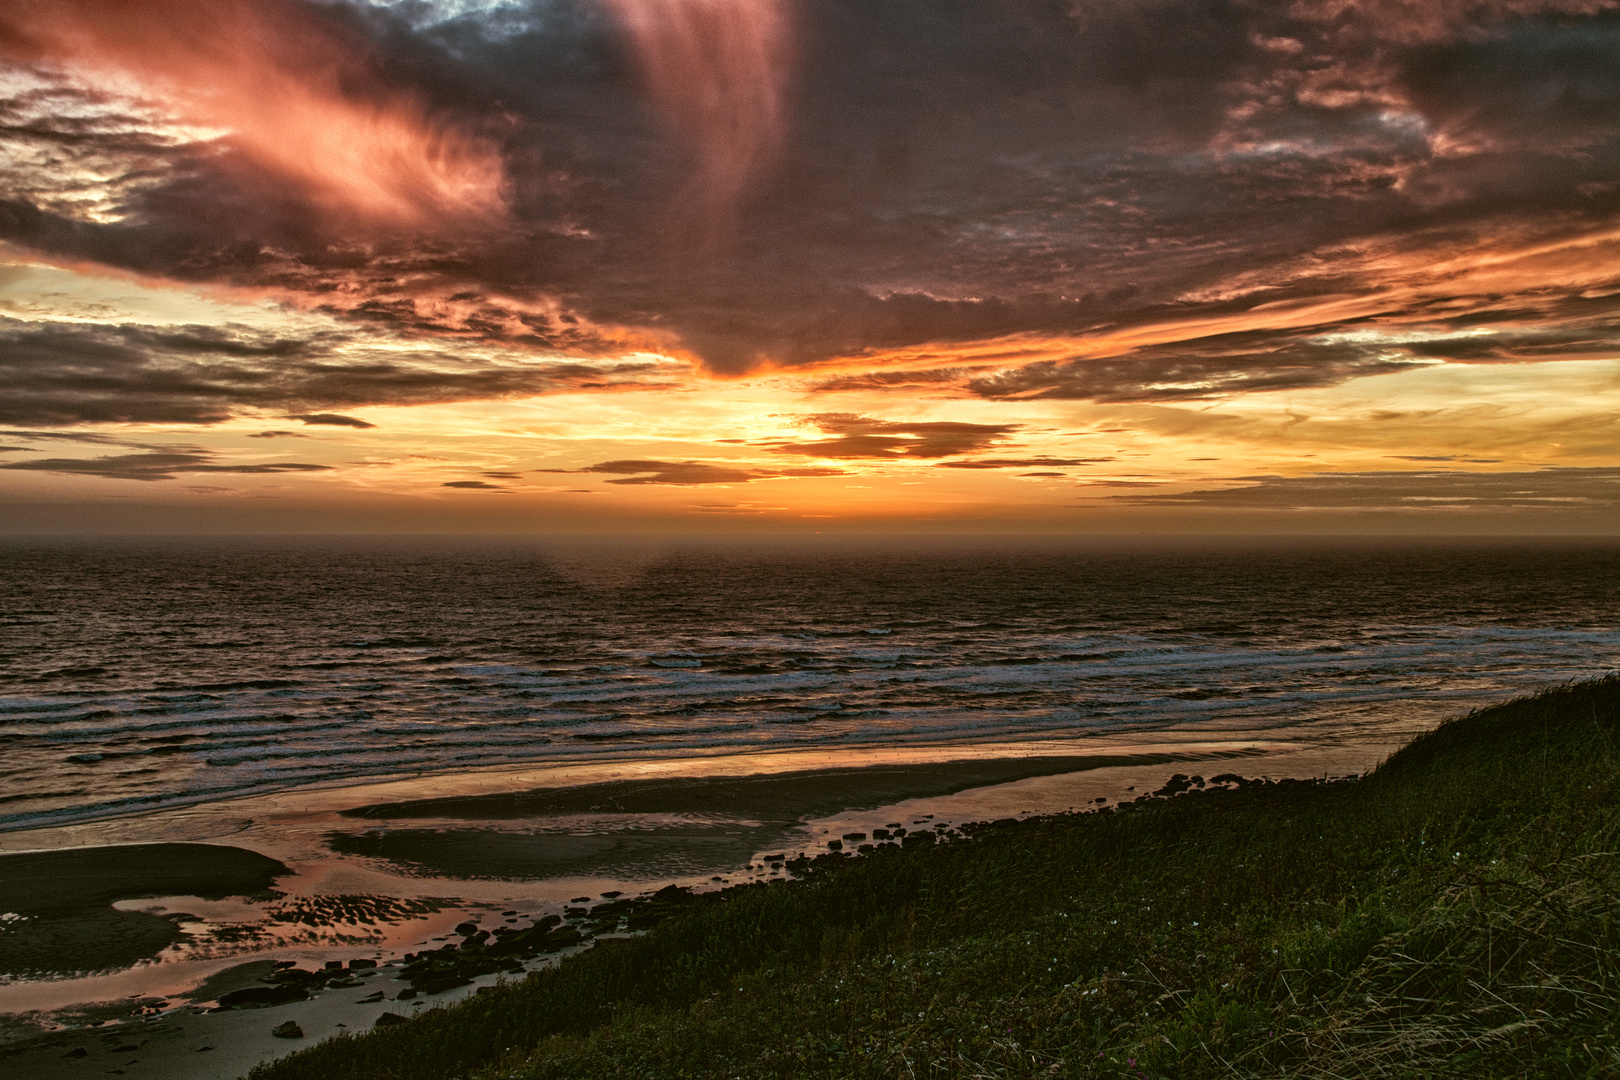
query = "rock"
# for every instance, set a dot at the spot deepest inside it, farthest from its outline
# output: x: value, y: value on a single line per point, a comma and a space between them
x: 77, y: 1052
x: 835, y: 845
x: 334, y: 965
x: 296, y: 976
x: 287, y: 1030
x: 441, y: 983
x: 854, y: 836
x: 880, y: 834
x: 1177, y: 784
x: 558, y: 940
x: 370, y: 998
x: 466, y: 929
x: 390, y: 1019
x: 261, y: 996
x: 355, y: 965
x: 407, y: 993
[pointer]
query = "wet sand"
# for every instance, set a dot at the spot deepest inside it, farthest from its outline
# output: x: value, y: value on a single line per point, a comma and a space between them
x: 788, y: 796
x: 722, y: 821
x: 190, y: 1042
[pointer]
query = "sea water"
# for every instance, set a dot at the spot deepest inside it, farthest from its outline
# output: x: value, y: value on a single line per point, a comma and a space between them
x: 142, y: 674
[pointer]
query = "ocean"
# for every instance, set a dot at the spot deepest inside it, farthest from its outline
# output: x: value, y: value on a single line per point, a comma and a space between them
x: 137, y: 675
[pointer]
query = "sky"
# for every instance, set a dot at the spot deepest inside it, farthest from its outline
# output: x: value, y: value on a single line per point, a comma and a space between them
x: 575, y: 266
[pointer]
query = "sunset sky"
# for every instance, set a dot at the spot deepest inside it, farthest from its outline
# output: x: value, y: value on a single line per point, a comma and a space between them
x: 795, y: 265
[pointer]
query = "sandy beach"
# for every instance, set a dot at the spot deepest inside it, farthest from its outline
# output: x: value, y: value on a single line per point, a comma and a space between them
x: 121, y: 952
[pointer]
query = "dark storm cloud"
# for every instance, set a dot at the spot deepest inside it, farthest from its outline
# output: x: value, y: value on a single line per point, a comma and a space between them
x: 62, y: 373
x: 863, y: 437
x: 1544, y: 490
x: 948, y: 171
x: 154, y: 465
x: 646, y: 471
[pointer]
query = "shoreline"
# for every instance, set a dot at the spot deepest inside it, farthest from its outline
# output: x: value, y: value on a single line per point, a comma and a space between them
x: 1449, y: 913
x: 940, y: 794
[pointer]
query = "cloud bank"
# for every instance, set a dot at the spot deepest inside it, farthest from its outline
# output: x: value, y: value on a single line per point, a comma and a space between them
x: 1142, y: 200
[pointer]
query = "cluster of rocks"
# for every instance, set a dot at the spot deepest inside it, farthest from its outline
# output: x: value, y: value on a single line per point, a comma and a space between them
x: 887, y: 836
x: 289, y: 982
x: 1181, y: 782
x: 355, y: 909
x: 483, y: 952
x: 477, y: 952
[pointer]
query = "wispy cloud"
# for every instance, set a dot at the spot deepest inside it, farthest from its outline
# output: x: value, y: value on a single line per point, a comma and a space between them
x: 290, y: 87
x: 1542, y: 489
x: 1021, y: 463
x: 156, y: 465
x: 332, y: 420
x: 646, y: 471
x: 69, y: 373
x: 856, y: 437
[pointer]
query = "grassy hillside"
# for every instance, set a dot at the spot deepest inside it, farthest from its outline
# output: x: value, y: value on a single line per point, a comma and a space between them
x: 1457, y: 912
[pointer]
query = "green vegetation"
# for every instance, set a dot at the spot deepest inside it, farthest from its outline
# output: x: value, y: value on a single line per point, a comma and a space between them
x: 1456, y: 912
